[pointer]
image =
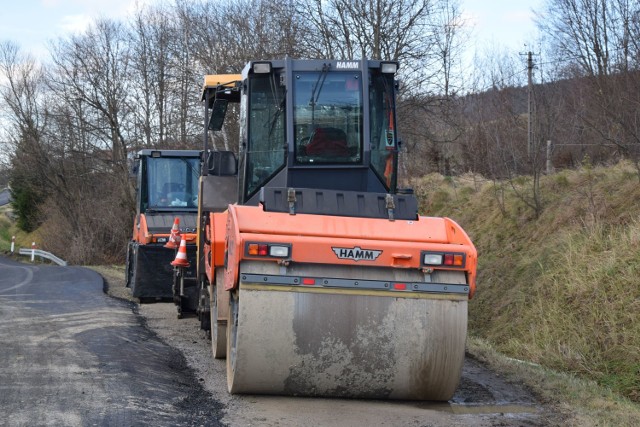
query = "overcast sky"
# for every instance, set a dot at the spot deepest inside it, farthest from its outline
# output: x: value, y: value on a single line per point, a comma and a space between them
x: 31, y: 23
x: 506, y: 23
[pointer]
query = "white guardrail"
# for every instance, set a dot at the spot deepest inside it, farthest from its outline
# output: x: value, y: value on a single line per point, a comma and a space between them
x: 43, y: 254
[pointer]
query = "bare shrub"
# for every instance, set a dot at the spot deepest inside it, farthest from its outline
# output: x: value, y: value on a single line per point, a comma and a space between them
x: 94, y: 229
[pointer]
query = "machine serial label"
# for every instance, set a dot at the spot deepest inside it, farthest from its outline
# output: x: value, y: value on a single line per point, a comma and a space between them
x: 357, y: 253
x: 345, y: 64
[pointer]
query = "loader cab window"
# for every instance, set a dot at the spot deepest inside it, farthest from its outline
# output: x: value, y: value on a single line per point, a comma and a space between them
x: 328, y: 117
x: 382, y: 127
x: 266, y: 132
x: 171, y: 182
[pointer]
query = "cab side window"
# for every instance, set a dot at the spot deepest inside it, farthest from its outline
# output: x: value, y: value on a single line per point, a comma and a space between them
x: 266, y: 131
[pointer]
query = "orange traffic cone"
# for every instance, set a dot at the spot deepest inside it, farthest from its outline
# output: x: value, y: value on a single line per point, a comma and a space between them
x: 181, y: 257
x: 174, y: 238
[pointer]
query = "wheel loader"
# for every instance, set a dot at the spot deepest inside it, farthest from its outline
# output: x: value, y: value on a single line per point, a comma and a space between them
x: 317, y: 273
x: 166, y: 190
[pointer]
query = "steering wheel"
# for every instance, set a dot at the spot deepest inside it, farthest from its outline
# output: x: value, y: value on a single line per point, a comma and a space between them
x: 302, y: 145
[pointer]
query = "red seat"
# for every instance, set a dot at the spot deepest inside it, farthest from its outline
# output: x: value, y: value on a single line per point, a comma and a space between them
x: 328, y: 142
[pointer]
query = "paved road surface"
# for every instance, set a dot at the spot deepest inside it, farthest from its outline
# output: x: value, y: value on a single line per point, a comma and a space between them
x: 70, y: 355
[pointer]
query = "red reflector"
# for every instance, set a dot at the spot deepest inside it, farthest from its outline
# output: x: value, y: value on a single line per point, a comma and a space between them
x: 400, y: 286
x: 448, y: 259
x: 308, y: 281
x: 262, y: 250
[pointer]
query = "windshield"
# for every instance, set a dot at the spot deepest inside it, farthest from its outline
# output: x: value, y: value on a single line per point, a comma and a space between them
x: 328, y: 117
x: 172, y: 182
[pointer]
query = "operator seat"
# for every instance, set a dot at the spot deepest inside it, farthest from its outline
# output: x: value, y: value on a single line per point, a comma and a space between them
x: 328, y: 141
x: 222, y: 163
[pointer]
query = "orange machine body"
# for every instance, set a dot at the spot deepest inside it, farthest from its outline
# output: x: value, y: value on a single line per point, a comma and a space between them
x: 143, y: 236
x: 214, y: 247
x: 320, y: 239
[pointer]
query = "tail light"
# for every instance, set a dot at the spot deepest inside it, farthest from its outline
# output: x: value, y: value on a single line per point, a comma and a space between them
x: 448, y: 259
x: 268, y: 250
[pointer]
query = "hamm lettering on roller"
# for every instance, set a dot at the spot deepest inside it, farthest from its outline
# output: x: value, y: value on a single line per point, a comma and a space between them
x: 357, y: 253
x: 347, y: 64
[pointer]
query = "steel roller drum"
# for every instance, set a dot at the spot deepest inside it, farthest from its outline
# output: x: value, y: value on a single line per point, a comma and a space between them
x: 346, y: 342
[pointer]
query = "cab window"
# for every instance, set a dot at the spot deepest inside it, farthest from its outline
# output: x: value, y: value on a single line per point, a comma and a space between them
x: 266, y: 132
x: 171, y: 182
x: 328, y: 117
x: 382, y: 127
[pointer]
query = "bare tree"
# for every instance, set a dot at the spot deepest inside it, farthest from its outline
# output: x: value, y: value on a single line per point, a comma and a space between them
x: 21, y: 95
x: 383, y: 29
x: 494, y: 123
x: 597, y: 41
x: 20, y: 90
x: 151, y: 35
x: 581, y: 30
x: 449, y: 40
x: 424, y: 36
x: 92, y: 69
x: 89, y: 82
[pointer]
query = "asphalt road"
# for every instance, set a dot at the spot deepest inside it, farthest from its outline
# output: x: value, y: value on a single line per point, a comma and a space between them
x: 72, y: 356
x: 4, y: 197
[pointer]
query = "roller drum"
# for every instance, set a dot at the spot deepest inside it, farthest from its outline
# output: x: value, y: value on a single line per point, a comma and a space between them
x: 345, y: 344
x: 218, y: 318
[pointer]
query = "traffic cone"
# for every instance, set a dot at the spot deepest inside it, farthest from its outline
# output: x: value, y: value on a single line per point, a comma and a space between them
x: 181, y: 257
x: 174, y: 238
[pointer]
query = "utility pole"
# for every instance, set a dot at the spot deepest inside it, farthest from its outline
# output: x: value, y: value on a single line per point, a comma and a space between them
x: 530, y: 103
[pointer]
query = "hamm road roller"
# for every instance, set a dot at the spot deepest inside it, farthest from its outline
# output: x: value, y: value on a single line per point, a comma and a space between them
x: 317, y: 274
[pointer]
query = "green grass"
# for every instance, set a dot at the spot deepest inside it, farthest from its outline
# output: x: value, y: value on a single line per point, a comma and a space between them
x: 9, y: 229
x: 5, y: 231
x: 563, y: 289
x: 578, y: 401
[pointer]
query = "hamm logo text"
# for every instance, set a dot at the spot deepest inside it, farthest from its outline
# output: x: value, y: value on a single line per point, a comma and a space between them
x: 347, y: 65
x: 357, y: 253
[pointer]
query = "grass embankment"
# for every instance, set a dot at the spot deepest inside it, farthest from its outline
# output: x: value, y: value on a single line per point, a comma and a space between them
x: 8, y: 229
x: 562, y: 289
x: 5, y: 231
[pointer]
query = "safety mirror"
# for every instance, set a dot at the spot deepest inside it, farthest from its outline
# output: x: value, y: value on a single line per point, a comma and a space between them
x: 218, y: 111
